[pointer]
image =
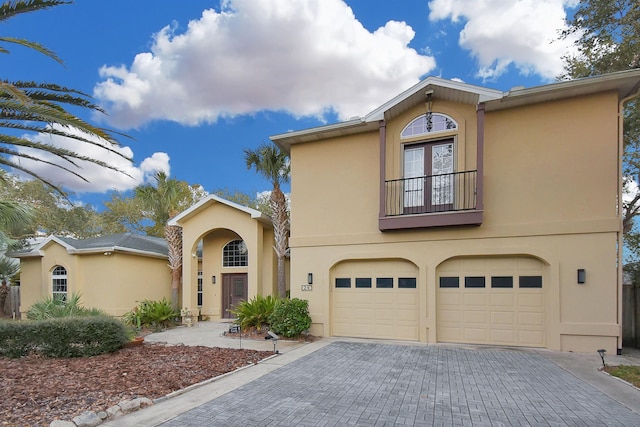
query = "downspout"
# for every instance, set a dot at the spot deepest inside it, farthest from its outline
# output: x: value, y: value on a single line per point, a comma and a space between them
x: 621, y: 212
x: 383, y: 161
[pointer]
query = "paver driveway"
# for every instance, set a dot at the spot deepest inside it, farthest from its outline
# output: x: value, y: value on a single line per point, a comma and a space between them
x: 367, y: 384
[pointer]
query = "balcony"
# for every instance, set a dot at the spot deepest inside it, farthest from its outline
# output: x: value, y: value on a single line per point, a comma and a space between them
x: 431, y: 201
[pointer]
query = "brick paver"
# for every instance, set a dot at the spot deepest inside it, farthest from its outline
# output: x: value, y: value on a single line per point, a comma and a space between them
x: 363, y: 384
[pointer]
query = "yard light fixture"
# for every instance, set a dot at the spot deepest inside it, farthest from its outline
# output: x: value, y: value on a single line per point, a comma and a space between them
x: 310, y: 278
x: 213, y: 279
x: 601, y: 352
x: 582, y: 275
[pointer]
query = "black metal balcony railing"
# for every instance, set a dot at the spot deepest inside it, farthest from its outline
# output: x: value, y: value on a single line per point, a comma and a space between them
x: 430, y: 194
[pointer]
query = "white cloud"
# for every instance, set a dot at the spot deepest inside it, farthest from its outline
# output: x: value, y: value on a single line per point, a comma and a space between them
x: 305, y: 57
x: 100, y: 179
x: 502, y: 33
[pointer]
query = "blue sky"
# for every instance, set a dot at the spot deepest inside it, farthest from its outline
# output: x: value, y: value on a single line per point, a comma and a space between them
x: 196, y: 82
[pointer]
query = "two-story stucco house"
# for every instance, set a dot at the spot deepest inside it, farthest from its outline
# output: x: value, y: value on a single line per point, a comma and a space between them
x: 456, y: 213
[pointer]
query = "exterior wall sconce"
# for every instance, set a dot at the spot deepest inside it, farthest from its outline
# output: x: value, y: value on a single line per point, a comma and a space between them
x: 582, y: 275
x: 213, y: 279
x: 310, y: 278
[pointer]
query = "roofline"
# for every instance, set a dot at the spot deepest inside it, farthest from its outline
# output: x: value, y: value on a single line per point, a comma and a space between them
x: 38, y: 252
x: 626, y: 83
x: 577, y: 87
x: 255, y: 214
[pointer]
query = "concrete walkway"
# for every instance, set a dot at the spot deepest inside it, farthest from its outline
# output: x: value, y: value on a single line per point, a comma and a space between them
x: 335, y: 382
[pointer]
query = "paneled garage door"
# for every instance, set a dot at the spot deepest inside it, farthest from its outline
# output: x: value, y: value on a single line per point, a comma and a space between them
x: 375, y: 299
x: 488, y: 300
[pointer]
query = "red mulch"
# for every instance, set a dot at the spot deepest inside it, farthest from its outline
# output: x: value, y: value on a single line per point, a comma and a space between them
x: 36, y: 390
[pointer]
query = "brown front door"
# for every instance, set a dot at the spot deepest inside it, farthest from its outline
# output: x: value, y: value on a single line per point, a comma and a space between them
x: 234, y: 290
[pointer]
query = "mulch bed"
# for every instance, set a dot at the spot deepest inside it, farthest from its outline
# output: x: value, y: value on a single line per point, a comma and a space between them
x: 37, y: 390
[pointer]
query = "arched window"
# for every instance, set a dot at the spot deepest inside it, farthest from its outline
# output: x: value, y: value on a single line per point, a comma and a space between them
x: 59, y: 283
x: 234, y: 254
x: 428, y: 123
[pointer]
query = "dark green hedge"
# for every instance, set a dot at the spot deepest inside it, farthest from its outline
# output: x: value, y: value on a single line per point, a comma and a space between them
x: 290, y: 317
x: 62, y: 337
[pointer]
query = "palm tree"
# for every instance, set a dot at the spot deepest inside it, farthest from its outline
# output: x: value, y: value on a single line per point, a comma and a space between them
x: 273, y: 164
x: 162, y: 201
x: 39, y: 108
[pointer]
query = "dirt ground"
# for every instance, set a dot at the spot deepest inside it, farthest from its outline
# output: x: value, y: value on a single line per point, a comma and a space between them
x: 37, y: 390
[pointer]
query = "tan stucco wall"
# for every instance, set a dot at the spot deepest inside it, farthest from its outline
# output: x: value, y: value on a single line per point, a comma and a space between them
x: 115, y: 283
x: 550, y: 185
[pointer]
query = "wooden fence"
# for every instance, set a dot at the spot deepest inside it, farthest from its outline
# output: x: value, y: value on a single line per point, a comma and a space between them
x: 11, y: 307
x: 631, y: 316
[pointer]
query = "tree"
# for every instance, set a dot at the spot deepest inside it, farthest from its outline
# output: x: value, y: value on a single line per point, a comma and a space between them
x: 53, y: 213
x: 28, y: 107
x: 161, y: 202
x: 608, y: 40
x: 273, y: 164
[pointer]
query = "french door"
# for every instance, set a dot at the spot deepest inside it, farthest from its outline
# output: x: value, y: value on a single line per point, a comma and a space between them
x: 428, y: 177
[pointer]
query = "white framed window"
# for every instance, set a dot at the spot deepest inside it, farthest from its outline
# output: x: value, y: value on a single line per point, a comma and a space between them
x: 59, y: 283
x: 235, y: 254
x: 427, y: 124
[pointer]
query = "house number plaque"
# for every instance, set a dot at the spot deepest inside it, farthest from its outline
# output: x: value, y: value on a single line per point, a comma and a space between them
x: 307, y: 287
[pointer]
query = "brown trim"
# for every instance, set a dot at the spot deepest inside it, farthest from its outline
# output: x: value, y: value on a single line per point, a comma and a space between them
x: 383, y: 161
x: 430, y: 220
x: 480, y: 158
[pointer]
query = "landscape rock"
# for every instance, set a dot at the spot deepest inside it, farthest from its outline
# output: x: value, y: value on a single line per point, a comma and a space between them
x: 87, y: 419
x: 114, y: 411
x: 60, y: 423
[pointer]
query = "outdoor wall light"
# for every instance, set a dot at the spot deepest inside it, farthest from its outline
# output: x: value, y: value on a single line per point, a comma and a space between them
x: 582, y: 275
x: 213, y: 279
x: 310, y: 278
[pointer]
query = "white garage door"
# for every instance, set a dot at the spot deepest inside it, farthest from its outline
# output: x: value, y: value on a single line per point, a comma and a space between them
x: 375, y: 299
x: 487, y: 300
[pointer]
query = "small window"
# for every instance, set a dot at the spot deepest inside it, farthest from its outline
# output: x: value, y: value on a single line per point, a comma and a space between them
x: 428, y: 123
x: 363, y: 282
x: 343, y: 282
x: 474, y: 282
x: 200, y: 288
x: 449, y: 282
x: 530, y: 281
x: 501, y: 282
x: 384, y: 282
x: 234, y: 254
x: 59, y: 283
x: 407, y: 283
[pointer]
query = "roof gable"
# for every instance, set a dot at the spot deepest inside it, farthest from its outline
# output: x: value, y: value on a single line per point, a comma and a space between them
x: 625, y: 83
x: 212, y: 199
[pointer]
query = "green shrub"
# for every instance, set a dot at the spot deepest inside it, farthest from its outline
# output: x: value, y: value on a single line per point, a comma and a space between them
x: 255, y: 312
x: 62, y: 337
x: 155, y: 315
x: 52, y: 308
x: 290, y: 317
